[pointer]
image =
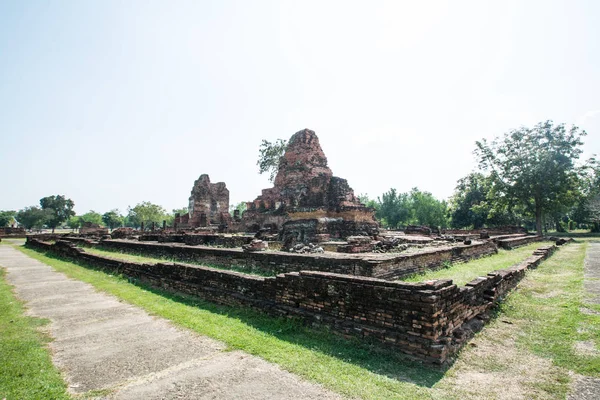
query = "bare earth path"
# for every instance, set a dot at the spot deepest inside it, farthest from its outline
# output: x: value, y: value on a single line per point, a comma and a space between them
x: 103, y: 344
x: 586, y: 388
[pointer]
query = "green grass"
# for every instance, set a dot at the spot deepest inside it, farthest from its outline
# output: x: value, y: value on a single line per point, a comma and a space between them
x: 550, y: 308
x: 153, y: 260
x: 26, y: 370
x: 466, y: 272
x: 346, y: 366
x: 543, y: 314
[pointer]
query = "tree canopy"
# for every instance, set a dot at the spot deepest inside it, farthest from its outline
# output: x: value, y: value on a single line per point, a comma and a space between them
x: 58, y: 209
x: 7, y: 218
x: 147, y: 213
x: 32, y: 217
x: 269, y: 154
x: 113, y: 218
x: 92, y: 217
x: 534, y: 167
x: 416, y: 207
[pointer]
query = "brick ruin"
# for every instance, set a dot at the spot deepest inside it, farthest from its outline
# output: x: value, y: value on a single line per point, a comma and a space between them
x: 308, y: 203
x: 429, y: 321
x: 208, y: 205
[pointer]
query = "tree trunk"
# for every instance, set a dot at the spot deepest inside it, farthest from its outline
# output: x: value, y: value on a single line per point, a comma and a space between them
x: 538, y: 220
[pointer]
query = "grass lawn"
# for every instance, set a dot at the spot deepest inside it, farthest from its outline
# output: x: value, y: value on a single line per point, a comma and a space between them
x: 529, y: 350
x: 466, y: 272
x: 26, y: 371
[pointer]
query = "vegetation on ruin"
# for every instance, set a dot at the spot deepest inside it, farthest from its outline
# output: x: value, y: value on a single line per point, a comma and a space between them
x: 466, y: 272
x: 269, y: 154
x: 530, y: 342
x: 139, y: 258
x: 26, y: 370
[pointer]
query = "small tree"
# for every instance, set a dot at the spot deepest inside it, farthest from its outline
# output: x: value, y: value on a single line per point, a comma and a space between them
x: 241, y: 207
x: 269, y: 155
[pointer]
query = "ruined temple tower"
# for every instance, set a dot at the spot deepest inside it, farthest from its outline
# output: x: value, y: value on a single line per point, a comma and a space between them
x: 306, y: 191
x: 208, y: 204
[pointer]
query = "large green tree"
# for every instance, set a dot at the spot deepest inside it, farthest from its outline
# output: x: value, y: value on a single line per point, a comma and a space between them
x: 113, y: 218
x: 33, y: 217
x: 269, y: 154
x: 147, y: 213
x: 59, y: 209
x: 91, y: 217
x: 469, y: 206
x: 393, y: 209
x: 7, y: 218
x: 426, y: 209
x: 534, y: 167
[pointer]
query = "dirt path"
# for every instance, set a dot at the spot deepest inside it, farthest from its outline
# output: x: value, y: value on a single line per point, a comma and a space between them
x: 102, y: 344
x: 586, y: 388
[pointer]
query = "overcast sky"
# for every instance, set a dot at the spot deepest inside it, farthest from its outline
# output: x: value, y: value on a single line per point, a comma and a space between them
x: 112, y: 103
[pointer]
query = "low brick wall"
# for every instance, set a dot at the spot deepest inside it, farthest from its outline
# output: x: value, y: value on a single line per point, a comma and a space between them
x: 408, y: 264
x: 429, y: 321
x: 380, y: 266
x: 514, y: 242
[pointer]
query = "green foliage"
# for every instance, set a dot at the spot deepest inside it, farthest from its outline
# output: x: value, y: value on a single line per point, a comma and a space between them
x: 534, y: 167
x: 368, y: 202
x: 33, y: 217
x: 180, y: 211
x: 74, y: 222
x: 269, y: 155
x: 7, y: 218
x: 587, y: 209
x: 395, y: 209
x: 113, y: 219
x: 147, y: 213
x: 468, y: 205
x: 427, y: 210
x: 91, y: 217
x: 241, y: 207
x: 58, y: 208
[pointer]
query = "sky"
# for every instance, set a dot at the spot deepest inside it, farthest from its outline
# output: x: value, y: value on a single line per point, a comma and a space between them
x: 112, y: 103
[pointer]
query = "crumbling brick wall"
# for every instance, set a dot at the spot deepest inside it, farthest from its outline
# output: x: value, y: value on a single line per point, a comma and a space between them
x: 429, y: 320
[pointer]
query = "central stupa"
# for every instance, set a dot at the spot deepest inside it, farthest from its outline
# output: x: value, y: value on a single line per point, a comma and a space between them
x: 305, y: 189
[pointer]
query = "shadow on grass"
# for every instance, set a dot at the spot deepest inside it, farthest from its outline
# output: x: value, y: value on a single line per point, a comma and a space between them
x: 372, y: 356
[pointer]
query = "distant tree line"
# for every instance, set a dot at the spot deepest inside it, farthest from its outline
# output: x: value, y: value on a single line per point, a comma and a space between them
x: 57, y: 211
x: 530, y: 177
